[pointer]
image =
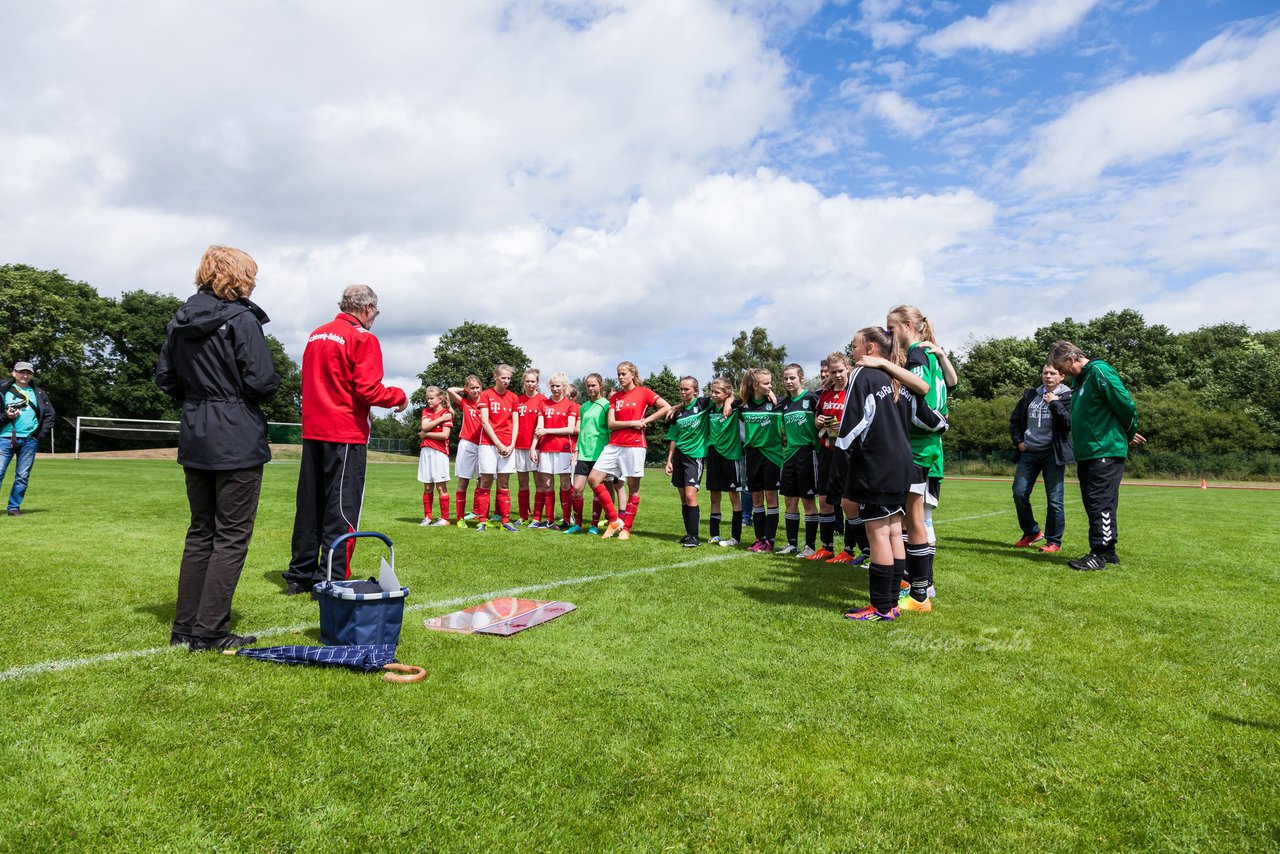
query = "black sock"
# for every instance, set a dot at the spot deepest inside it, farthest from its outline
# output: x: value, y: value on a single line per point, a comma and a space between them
x: 884, y: 596
x: 860, y: 536
x: 690, y: 515
x: 810, y: 530
x: 695, y: 519
x: 713, y: 522
x: 918, y: 571
x: 899, y: 573
x: 827, y: 524
x: 933, y: 551
x: 736, y: 523
x: 850, y: 538
x: 757, y: 522
x: 771, y: 524
x: 793, y: 527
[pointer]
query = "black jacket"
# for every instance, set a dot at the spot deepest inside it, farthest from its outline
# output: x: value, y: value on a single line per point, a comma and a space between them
x: 1059, y: 414
x: 873, y: 432
x: 215, y: 360
x: 44, y: 410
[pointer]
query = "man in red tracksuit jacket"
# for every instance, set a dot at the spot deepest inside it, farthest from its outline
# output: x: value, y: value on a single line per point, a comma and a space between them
x: 341, y: 380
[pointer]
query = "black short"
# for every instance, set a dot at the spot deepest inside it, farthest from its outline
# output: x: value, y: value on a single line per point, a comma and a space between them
x: 722, y: 475
x: 935, y: 488
x: 582, y: 468
x: 685, y: 471
x: 763, y: 475
x: 872, y: 512
x: 838, y: 468
x: 800, y: 474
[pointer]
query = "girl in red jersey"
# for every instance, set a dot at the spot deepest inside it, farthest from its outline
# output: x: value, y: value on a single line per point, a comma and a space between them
x: 530, y: 403
x: 433, y: 459
x: 557, y: 421
x: 467, y: 464
x: 499, y: 425
x: 624, y: 455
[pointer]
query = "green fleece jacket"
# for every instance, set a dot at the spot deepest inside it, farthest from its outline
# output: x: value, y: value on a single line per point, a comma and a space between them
x: 1103, y: 415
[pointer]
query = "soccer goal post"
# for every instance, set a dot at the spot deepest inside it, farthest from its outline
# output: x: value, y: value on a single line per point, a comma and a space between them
x: 166, y: 432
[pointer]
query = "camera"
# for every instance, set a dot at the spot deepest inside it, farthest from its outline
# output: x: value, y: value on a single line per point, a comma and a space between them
x: 20, y: 403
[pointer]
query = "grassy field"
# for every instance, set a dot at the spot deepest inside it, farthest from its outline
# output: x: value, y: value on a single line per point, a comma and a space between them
x: 697, y: 700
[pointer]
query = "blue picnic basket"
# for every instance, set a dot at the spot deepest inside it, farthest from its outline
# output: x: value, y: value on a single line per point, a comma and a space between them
x: 348, y: 617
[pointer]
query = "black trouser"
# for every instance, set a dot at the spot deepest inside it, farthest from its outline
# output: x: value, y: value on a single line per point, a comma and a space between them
x: 330, y: 494
x: 223, y: 507
x: 1100, y: 492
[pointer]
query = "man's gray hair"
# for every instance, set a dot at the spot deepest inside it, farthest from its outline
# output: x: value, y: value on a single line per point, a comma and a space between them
x: 357, y: 297
x: 1062, y: 352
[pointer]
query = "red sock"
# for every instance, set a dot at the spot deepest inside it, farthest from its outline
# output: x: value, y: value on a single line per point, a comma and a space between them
x: 548, y: 505
x: 629, y: 517
x: 603, y: 501
x: 524, y: 505
x: 481, y: 505
x: 537, y: 505
x: 426, y: 501
x: 444, y: 506
x: 577, y: 508
x: 460, y: 501
x: 566, y: 504
x: 504, y: 505
x: 595, y: 510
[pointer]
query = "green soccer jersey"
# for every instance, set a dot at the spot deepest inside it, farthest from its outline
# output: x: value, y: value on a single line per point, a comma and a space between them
x: 762, y: 423
x: 726, y: 432
x: 593, y: 429
x: 689, y: 429
x: 926, y: 447
x: 799, y: 421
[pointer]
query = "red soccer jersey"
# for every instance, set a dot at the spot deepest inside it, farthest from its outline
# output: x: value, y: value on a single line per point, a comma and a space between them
x: 830, y: 403
x: 556, y: 415
x: 470, y: 420
x: 441, y: 445
x: 501, y: 407
x: 630, y: 406
x: 528, y: 407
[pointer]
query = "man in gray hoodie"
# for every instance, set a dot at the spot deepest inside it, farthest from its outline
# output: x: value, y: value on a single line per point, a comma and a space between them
x: 1040, y: 428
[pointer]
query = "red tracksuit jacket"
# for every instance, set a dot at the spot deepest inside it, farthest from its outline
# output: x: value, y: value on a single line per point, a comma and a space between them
x: 341, y: 379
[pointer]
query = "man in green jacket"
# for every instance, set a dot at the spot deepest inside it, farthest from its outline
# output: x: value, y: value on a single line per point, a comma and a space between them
x: 1104, y: 422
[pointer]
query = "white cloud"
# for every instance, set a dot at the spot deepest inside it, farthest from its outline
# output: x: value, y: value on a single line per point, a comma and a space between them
x: 1203, y: 102
x: 901, y: 113
x: 1015, y: 26
x: 884, y: 30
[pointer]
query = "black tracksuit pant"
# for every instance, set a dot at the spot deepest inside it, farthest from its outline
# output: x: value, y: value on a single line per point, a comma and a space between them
x: 223, y: 507
x: 1100, y: 492
x: 330, y: 495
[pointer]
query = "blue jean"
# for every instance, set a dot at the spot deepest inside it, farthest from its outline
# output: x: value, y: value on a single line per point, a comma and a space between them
x: 25, y: 451
x: 1030, y: 466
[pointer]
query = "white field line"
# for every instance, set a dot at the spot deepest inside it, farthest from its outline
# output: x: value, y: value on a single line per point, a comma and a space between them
x: 72, y: 663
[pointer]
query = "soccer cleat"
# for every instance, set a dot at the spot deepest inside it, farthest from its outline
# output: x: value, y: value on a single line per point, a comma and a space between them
x: 908, y: 604
x: 552, y: 526
x: 806, y: 553
x: 535, y: 525
x: 572, y: 529
x: 482, y: 527
x: 870, y: 615
x: 823, y: 553
x: 612, y: 529
x: 510, y: 527
x: 1028, y: 539
x: 757, y: 546
x: 861, y: 559
x: 843, y: 557
x: 462, y: 523
x: 470, y: 517
x: 593, y: 531
x: 714, y: 539
x: 1051, y: 549
x: 787, y: 549
x: 440, y: 523
x: 517, y: 522
x: 1090, y: 562
x: 624, y: 534
x: 728, y: 543
x: 425, y: 523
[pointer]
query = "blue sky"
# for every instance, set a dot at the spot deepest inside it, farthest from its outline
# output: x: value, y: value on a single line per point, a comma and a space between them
x: 618, y: 180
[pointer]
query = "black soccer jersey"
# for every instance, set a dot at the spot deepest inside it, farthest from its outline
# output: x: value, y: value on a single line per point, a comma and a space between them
x: 873, y: 432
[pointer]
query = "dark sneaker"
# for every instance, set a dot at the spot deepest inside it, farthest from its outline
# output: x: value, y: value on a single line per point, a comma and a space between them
x: 225, y: 642
x: 296, y: 589
x: 15, y: 512
x: 1111, y: 558
x: 1088, y: 563
x: 689, y: 542
x: 177, y: 638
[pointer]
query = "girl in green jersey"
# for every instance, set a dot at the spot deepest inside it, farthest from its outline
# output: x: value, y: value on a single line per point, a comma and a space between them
x: 593, y: 435
x: 724, y: 461
x: 762, y: 440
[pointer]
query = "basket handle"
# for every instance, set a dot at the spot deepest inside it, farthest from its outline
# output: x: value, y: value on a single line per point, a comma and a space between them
x: 403, y: 672
x: 351, y: 535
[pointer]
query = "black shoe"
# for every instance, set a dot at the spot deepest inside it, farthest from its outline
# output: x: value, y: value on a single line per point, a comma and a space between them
x: 1089, y: 563
x: 177, y: 638
x: 690, y: 542
x: 296, y: 589
x: 224, y: 642
x: 1111, y: 558
x: 15, y: 512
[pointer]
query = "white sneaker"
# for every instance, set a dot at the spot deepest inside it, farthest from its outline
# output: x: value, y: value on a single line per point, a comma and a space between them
x: 440, y: 523
x: 426, y: 521
x: 788, y: 549
x: 714, y: 540
x: 805, y: 553
x: 729, y: 543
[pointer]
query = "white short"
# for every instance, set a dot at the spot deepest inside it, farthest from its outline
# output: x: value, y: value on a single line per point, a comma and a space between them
x: 555, y: 462
x: 930, y: 500
x: 467, y: 463
x: 523, y: 463
x: 621, y: 462
x: 433, y: 466
x: 491, y: 462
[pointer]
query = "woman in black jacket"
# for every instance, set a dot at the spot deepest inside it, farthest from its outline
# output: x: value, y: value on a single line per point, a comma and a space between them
x: 1040, y: 428
x: 216, y: 361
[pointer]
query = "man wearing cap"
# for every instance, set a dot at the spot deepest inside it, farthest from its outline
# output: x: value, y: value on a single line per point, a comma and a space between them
x: 28, y: 418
